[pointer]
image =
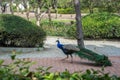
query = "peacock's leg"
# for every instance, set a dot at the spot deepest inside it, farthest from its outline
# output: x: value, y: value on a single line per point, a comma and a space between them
x: 71, y: 58
x: 65, y: 58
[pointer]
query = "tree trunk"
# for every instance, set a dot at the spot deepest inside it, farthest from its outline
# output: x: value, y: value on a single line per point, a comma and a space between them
x: 37, y: 15
x: 90, y: 6
x: 27, y: 15
x: 11, y: 8
x: 79, y: 24
x: 56, y: 12
x: 0, y: 10
x: 49, y: 14
x: 90, y: 9
x: 26, y: 8
x: 118, y: 7
x: 3, y: 8
x: 0, y: 6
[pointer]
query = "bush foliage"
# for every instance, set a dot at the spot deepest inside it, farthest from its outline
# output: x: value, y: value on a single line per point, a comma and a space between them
x: 18, y: 32
x: 99, y: 26
x: 19, y: 69
x: 66, y: 11
x: 55, y: 28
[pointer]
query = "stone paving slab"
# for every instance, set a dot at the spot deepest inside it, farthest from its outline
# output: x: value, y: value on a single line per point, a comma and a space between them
x: 109, y: 48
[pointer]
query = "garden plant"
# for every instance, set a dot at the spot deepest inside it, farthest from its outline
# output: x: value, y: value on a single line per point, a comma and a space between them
x: 19, y: 69
x: 18, y: 32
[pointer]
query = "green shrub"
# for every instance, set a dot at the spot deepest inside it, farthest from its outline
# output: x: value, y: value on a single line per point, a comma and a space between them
x: 18, y: 32
x: 55, y: 28
x: 66, y: 11
x: 100, y: 25
x: 71, y: 33
x: 17, y: 70
x: 20, y: 70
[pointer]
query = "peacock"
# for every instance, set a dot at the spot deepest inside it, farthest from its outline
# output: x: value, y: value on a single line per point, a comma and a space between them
x: 68, y: 50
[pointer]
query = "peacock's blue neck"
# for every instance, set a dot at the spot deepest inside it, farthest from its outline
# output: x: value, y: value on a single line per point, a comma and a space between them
x: 59, y: 45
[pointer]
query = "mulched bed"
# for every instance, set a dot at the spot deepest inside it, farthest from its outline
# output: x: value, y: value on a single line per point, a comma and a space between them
x: 78, y: 64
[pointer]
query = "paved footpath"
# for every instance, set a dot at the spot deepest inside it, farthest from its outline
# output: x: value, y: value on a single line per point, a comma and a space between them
x: 51, y: 56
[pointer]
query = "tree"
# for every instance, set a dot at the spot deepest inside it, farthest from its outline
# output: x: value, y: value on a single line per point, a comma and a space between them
x: 3, y: 5
x: 6, y: 6
x: 117, y: 5
x: 18, y: 2
x: 88, y: 4
x: 54, y: 6
x: 26, y: 6
x: 37, y: 6
x: 11, y: 7
x: 0, y: 6
x: 78, y: 24
x: 49, y: 7
x: 105, y: 5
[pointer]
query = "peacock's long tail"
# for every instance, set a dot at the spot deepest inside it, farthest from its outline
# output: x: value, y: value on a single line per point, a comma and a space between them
x: 92, y: 56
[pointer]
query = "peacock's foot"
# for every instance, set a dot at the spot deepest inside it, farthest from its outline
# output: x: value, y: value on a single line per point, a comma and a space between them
x: 63, y: 59
x: 71, y: 61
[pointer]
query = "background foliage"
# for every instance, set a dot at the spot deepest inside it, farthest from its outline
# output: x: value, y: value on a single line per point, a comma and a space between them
x: 66, y: 11
x: 55, y: 28
x: 16, y: 31
x: 99, y: 26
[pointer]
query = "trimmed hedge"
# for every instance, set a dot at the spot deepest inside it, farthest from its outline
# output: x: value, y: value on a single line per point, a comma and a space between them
x: 99, y: 26
x: 55, y: 28
x: 66, y: 11
x: 18, y: 32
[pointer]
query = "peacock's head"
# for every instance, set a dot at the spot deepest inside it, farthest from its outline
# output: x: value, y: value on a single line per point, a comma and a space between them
x: 58, y: 41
